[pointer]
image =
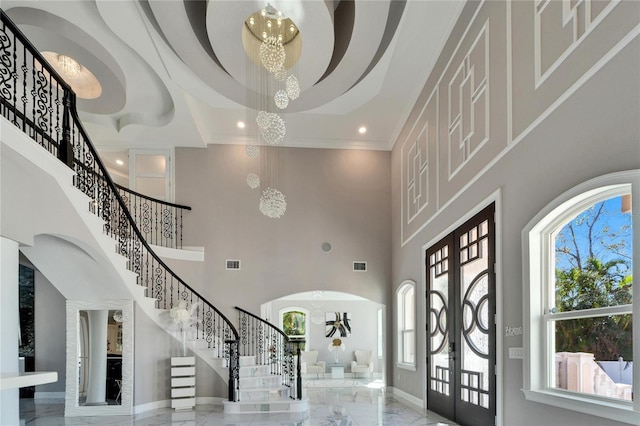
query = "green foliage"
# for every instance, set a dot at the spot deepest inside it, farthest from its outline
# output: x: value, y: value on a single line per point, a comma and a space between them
x: 597, y: 285
x: 294, y: 323
x: 593, y: 270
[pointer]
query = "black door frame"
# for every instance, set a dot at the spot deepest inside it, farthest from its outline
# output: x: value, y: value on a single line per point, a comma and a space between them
x: 453, y: 407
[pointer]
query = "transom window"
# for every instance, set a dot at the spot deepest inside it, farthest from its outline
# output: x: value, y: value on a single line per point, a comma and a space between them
x: 580, y: 315
x: 406, y: 324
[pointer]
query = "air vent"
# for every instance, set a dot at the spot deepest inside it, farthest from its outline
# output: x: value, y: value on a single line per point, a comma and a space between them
x: 233, y: 264
x: 360, y: 266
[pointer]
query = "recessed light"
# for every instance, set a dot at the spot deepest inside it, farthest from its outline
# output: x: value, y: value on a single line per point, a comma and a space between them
x: 362, y: 129
x: 120, y: 162
x: 241, y: 124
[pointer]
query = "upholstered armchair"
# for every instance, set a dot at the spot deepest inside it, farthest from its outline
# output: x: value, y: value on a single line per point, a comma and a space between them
x: 309, y: 363
x: 363, y: 363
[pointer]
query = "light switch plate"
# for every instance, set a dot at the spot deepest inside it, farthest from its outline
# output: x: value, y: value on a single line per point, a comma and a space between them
x: 516, y: 353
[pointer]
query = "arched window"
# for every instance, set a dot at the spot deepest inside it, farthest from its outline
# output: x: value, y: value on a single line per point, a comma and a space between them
x: 293, y: 322
x: 406, y: 324
x: 579, y: 264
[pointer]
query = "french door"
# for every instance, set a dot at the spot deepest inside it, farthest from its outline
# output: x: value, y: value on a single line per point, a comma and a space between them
x: 461, y: 331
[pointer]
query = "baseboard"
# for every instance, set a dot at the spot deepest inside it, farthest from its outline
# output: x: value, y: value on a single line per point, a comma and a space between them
x: 151, y: 406
x: 412, y: 400
x: 210, y: 400
x: 48, y: 396
x: 201, y: 400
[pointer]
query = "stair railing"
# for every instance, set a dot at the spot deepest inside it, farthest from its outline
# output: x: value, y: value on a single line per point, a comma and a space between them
x: 37, y: 100
x: 270, y: 346
x: 160, y: 222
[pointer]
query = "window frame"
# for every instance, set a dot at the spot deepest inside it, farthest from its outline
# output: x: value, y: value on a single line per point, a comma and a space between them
x: 401, y: 303
x: 538, y: 273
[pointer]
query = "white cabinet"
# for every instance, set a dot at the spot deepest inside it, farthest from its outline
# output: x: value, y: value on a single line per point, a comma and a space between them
x: 183, y: 382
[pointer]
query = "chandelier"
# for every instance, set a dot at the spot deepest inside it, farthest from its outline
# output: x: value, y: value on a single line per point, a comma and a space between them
x: 272, y: 43
x: 69, y: 66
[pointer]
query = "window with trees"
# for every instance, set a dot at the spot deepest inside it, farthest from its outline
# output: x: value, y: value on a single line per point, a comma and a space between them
x: 406, y: 324
x: 581, y: 310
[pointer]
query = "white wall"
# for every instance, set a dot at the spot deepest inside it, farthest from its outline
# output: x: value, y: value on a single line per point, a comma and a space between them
x: 364, y: 325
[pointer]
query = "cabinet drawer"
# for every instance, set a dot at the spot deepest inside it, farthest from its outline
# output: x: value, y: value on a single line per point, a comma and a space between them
x: 182, y: 392
x: 183, y: 371
x: 177, y: 382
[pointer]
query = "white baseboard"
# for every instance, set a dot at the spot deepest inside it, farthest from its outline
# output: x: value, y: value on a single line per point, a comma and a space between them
x: 151, y: 406
x: 413, y: 400
x: 210, y: 400
x: 48, y: 396
x: 204, y: 400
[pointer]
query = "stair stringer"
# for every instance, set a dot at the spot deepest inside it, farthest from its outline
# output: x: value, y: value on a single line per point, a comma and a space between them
x: 26, y: 213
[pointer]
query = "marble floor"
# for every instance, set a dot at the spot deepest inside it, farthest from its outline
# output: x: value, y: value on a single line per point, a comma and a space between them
x: 328, y: 406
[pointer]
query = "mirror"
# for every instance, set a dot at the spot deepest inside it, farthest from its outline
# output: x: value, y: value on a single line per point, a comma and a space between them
x: 99, y: 357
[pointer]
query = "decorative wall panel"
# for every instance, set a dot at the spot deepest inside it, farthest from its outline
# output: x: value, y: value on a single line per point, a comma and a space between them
x: 419, y: 159
x: 557, y: 45
x: 559, y: 26
x: 505, y: 68
x: 469, y: 105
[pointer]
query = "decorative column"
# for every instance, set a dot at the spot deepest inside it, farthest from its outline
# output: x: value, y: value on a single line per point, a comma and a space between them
x: 97, y: 389
x: 9, y: 325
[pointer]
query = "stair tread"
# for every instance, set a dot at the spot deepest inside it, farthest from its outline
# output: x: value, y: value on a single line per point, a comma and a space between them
x: 268, y: 388
x: 270, y: 376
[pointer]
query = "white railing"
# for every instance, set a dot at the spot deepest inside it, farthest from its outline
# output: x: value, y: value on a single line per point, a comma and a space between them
x: 578, y: 372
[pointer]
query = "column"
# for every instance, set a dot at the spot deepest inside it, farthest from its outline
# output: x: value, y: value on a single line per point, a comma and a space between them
x: 9, y: 325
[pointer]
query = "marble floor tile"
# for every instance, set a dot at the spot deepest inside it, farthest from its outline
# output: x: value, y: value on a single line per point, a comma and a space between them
x: 338, y: 406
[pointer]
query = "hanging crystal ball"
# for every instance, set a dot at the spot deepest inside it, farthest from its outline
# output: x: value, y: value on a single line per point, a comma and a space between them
x: 252, y: 151
x: 272, y: 54
x: 293, y: 87
x: 280, y: 74
x: 274, y: 133
x: 263, y: 119
x: 281, y: 99
x: 253, y: 180
x: 272, y: 203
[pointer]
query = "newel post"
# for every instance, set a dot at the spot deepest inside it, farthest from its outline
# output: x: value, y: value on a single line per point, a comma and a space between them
x: 65, y: 150
x: 233, y: 369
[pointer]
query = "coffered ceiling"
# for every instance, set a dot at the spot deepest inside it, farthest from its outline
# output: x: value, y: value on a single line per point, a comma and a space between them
x: 174, y: 73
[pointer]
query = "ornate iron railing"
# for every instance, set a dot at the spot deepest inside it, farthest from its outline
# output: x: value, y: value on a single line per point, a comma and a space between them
x: 37, y: 100
x: 270, y: 346
x: 160, y: 222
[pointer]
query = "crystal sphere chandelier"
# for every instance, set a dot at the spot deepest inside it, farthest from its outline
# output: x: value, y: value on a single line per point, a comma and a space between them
x: 273, y: 46
x: 272, y: 54
x: 293, y: 87
x: 281, y: 99
x: 272, y: 203
x: 252, y: 151
x: 253, y: 180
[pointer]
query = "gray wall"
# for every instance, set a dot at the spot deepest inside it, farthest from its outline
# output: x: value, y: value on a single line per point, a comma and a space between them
x: 336, y: 196
x: 539, y: 144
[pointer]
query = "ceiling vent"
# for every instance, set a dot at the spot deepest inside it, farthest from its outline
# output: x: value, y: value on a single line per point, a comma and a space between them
x: 359, y: 266
x: 232, y: 264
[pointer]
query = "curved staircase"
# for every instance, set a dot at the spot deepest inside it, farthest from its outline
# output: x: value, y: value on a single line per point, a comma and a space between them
x: 38, y: 106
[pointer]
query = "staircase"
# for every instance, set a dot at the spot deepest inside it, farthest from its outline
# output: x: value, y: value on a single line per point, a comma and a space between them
x: 261, y: 391
x: 38, y: 106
